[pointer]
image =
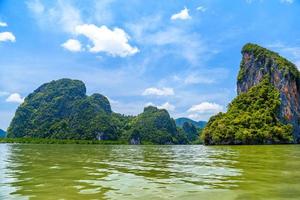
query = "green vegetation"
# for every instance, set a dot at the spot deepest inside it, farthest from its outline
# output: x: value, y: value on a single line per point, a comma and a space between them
x: 154, y: 126
x: 191, y: 131
x: 59, y: 141
x: 251, y: 119
x: 180, y: 121
x: 61, y: 110
x: 268, y: 56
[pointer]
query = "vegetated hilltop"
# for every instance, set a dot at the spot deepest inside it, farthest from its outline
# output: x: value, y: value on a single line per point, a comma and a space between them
x: 180, y: 121
x: 267, y: 108
x: 61, y: 110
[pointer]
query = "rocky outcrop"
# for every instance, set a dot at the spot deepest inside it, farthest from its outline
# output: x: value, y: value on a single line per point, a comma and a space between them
x: 257, y: 63
x: 61, y: 110
x: 153, y: 126
x: 266, y: 110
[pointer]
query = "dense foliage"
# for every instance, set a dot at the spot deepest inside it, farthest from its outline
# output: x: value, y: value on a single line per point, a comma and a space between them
x: 191, y: 131
x: 59, y: 141
x: 61, y: 110
x: 251, y: 119
x: 180, y: 121
x: 154, y: 126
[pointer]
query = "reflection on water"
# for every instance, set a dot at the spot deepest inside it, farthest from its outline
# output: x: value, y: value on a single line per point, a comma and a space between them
x: 149, y: 172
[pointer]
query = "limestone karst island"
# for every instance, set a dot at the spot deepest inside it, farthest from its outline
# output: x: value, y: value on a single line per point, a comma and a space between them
x: 265, y: 111
x: 151, y: 100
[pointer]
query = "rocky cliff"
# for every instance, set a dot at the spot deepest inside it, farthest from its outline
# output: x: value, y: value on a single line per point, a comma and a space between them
x: 266, y: 110
x: 257, y: 63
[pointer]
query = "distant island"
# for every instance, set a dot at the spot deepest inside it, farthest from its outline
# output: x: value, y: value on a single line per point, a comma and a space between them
x: 266, y: 111
x: 198, y: 124
x: 62, y: 110
x: 2, y: 133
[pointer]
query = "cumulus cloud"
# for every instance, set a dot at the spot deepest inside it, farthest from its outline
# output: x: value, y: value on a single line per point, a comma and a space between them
x: 168, y: 106
x: 72, y: 45
x: 64, y: 14
x: 3, y: 24
x: 206, y: 107
x: 114, y: 42
x: 204, y: 110
x: 158, y: 91
x: 182, y: 15
x: 7, y: 36
x: 15, y: 98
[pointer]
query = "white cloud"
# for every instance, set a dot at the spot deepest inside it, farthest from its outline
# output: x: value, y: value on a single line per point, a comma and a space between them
x: 204, y: 110
x: 3, y: 24
x: 66, y: 16
x: 15, y: 98
x: 149, y: 104
x: 158, y: 92
x: 206, y: 107
x: 201, y: 8
x: 165, y: 105
x: 182, y: 15
x: 287, y: 1
x: 114, y: 42
x: 72, y: 45
x: 7, y: 36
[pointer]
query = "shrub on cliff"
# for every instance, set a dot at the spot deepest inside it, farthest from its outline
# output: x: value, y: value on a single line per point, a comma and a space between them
x: 251, y: 119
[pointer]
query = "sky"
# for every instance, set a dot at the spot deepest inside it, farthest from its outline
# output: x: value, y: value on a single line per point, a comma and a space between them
x: 181, y: 55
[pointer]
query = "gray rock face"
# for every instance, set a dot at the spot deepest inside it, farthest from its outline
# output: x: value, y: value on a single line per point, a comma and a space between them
x: 257, y: 63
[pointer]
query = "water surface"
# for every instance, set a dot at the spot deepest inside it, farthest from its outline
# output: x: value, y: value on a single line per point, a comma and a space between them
x: 149, y: 172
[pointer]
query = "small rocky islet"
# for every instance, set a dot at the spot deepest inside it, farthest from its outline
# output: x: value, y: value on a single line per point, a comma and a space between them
x: 265, y: 111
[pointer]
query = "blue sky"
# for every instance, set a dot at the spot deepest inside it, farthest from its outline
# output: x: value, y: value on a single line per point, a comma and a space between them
x: 182, y: 55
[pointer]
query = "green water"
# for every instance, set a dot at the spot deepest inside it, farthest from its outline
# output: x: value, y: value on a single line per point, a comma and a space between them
x: 149, y: 172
